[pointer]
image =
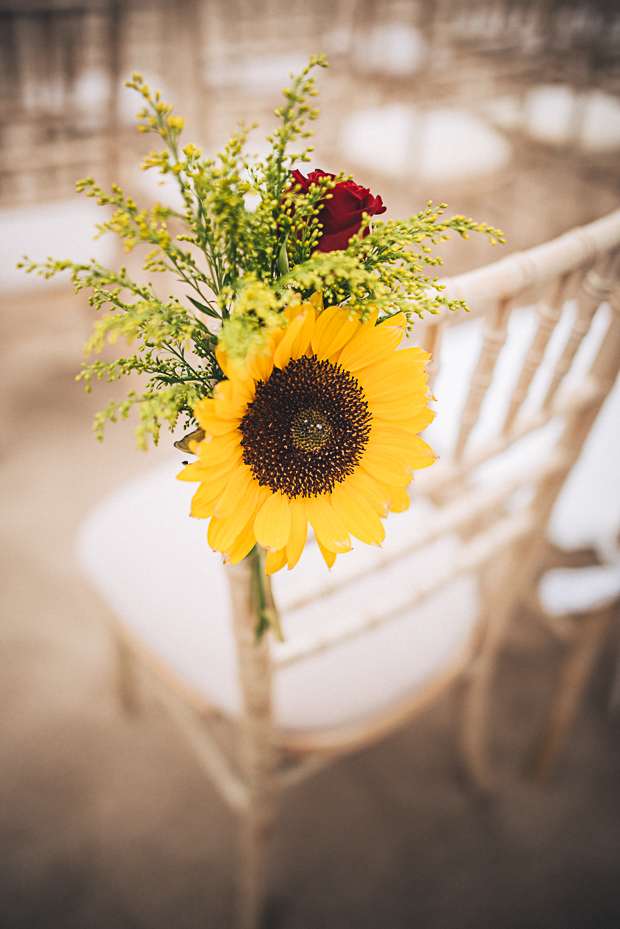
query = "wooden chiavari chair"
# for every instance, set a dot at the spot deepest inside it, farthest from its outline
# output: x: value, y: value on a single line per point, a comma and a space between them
x: 372, y: 642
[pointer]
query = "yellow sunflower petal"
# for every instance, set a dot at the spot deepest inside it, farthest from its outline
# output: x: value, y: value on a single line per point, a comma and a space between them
x: 272, y: 525
x: 218, y: 448
x: 304, y: 336
x: 217, y: 534
x: 234, y: 367
x: 372, y: 490
x: 246, y: 540
x: 388, y: 374
x: 370, y: 345
x: 198, y: 471
x: 223, y: 532
x: 332, y: 331
x: 206, y: 497
x: 330, y: 557
x: 243, y: 390
x: 357, y: 514
x: 297, y: 338
x: 241, y: 484
x: 209, y: 416
x: 243, y: 544
x: 423, y: 418
x: 293, y: 311
x: 205, y: 407
x: 227, y: 404
x: 213, y: 425
x: 223, y: 467
x: 317, y: 300
x: 299, y: 532
x: 395, y: 410
x: 223, y: 360
x: 391, y: 368
x: 232, y: 396
x: 275, y: 561
x: 290, y: 312
x: 423, y: 448
x: 399, y: 501
x: 398, y: 321
x: 418, y: 422
x: 329, y: 528
x: 416, y: 464
x: 262, y: 363
x: 408, y: 359
x: 389, y: 439
x: 414, y: 354
x: 194, y: 471
x: 404, y: 393
x: 390, y: 434
x: 398, y: 497
x: 382, y: 463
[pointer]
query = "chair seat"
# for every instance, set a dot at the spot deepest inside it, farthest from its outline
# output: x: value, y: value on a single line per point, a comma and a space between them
x: 578, y: 590
x: 152, y: 564
x: 68, y: 223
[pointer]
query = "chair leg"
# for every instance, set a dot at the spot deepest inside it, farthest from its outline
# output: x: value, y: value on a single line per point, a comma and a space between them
x: 256, y: 836
x: 614, y: 695
x: 473, y: 729
x: 258, y: 819
x: 475, y: 710
x: 259, y: 757
x: 501, y: 590
x: 574, y: 677
x: 126, y: 677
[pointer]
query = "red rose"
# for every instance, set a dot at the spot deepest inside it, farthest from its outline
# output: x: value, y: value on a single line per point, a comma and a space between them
x: 341, y: 214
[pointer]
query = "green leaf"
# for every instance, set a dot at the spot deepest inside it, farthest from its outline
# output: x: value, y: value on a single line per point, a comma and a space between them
x: 203, y: 308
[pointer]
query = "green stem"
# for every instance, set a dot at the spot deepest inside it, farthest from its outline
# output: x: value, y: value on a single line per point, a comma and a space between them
x: 263, y: 603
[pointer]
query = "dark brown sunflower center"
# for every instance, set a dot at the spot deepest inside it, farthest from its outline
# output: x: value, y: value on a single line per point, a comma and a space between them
x: 306, y: 428
x: 310, y: 430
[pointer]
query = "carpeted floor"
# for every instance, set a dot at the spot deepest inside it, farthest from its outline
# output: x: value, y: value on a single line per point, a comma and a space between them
x: 106, y: 821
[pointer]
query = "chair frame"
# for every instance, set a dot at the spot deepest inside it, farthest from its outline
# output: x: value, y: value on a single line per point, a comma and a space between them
x: 505, y: 549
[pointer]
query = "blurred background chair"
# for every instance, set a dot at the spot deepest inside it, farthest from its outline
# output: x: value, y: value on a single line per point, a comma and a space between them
x: 578, y: 603
x: 519, y: 384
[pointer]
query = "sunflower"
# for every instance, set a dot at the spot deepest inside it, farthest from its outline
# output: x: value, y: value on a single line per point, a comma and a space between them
x: 321, y: 428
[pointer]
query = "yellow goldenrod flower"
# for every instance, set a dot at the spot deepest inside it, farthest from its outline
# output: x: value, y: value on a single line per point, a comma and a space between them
x: 321, y: 428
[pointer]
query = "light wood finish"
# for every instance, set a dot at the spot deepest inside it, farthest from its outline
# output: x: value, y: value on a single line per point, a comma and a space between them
x: 589, y: 634
x: 504, y: 548
x: 495, y: 329
x: 127, y: 680
x: 258, y: 751
x: 549, y: 310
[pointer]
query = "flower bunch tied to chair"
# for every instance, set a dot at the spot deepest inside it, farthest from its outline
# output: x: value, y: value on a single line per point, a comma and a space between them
x: 284, y: 359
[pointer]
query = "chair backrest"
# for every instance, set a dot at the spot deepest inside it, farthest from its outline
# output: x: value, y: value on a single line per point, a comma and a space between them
x: 519, y: 384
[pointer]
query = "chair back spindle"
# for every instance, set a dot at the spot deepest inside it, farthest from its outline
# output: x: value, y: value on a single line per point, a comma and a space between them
x: 549, y: 311
x: 494, y: 337
x: 596, y: 286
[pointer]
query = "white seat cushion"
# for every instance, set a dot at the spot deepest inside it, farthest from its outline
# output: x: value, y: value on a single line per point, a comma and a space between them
x: 69, y: 224
x: 152, y: 564
x: 578, y: 590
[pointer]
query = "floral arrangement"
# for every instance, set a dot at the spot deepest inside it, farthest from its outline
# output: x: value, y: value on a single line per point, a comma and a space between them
x: 284, y: 360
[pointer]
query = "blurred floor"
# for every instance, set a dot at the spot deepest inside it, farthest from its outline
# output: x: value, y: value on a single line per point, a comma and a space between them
x: 106, y: 821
